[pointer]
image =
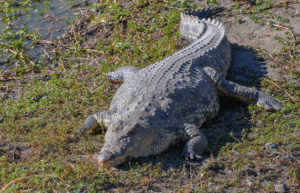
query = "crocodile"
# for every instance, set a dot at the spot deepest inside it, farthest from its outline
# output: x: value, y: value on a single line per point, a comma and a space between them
x: 168, y: 101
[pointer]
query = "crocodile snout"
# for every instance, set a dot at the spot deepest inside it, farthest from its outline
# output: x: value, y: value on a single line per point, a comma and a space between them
x: 108, y: 159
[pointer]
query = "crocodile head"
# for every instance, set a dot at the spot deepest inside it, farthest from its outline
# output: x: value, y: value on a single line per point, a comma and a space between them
x: 123, y: 141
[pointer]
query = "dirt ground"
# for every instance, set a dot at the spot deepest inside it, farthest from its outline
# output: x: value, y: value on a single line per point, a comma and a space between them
x: 250, y: 33
x: 246, y: 68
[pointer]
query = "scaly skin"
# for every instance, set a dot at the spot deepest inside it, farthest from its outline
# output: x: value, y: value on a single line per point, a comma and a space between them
x: 168, y: 101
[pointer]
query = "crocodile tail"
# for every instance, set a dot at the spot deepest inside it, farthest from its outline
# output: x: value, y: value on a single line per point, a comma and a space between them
x: 204, y: 13
x: 192, y: 26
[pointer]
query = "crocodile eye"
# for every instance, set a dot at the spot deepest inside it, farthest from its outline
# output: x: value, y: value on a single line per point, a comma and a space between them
x: 117, y: 126
x: 131, y: 129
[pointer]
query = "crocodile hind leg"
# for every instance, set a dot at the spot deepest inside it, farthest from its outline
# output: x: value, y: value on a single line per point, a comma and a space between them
x: 246, y: 94
x: 196, y: 142
x: 95, y: 122
x: 121, y: 74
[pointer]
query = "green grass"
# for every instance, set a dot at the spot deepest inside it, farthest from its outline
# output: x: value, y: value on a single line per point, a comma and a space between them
x: 54, y: 101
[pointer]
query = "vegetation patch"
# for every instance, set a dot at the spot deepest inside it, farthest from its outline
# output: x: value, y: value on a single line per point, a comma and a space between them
x: 43, y: 102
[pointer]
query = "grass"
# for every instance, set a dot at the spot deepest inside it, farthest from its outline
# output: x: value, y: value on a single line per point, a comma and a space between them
x: 44, y: 101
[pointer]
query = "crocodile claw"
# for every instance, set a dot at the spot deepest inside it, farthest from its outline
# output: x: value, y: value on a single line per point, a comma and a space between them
x: 195, y: 147
x: 268, y: 102
x: 187, y: 155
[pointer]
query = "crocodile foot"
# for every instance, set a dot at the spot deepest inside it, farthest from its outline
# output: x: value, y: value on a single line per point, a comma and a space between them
x: 90, y: 124
x: 195, y: 147
x: 268, y: 102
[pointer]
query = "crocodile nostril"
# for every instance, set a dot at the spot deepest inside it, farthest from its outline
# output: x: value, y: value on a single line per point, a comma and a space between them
x: 101, y: 157
x: 106, y: 156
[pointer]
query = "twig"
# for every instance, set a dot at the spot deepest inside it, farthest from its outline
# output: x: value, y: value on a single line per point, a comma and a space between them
x: 284, y: 90
x: 294, y: 43
x: 51, y: 36
x: 75, y: 36
x: 46, y: 42
x: 23, y: 164
x: 3, y: 69
x: 230, y: 123
x: 50, y: 42
x: 278, y: 4
x: 45, y: 52
x: 175, y: 8
x: 14, y: 181
x: 236, y: 4
x: 96, y: 51
x: 51, y: 30
x: 16, y: 53
x: 269, y: 56
x: 75, y: 5
x: 12, y: 51
x: 286, y: 28
x: 155, y: 12
x: 14, y: 25
x: 4, y: 87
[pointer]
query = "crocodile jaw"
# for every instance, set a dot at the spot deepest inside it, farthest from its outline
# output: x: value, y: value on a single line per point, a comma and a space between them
x: 112, y: 163
x: 139, y: 146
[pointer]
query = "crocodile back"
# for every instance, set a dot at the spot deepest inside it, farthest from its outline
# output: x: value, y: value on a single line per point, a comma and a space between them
x: 180, y: 71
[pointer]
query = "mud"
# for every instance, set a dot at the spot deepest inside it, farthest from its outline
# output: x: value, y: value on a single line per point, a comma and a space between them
x: 15, y: 151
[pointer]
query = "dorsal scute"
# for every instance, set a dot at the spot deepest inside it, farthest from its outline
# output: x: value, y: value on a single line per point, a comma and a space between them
x: 189, y: 18
x: 196, y: 16
x: 216, y: 23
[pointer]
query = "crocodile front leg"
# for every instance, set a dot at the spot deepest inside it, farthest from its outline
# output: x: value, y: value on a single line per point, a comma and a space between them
x: 121, y: 74
x: 246, y: 94
x: 196, y: 144
x: 96, y: 121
